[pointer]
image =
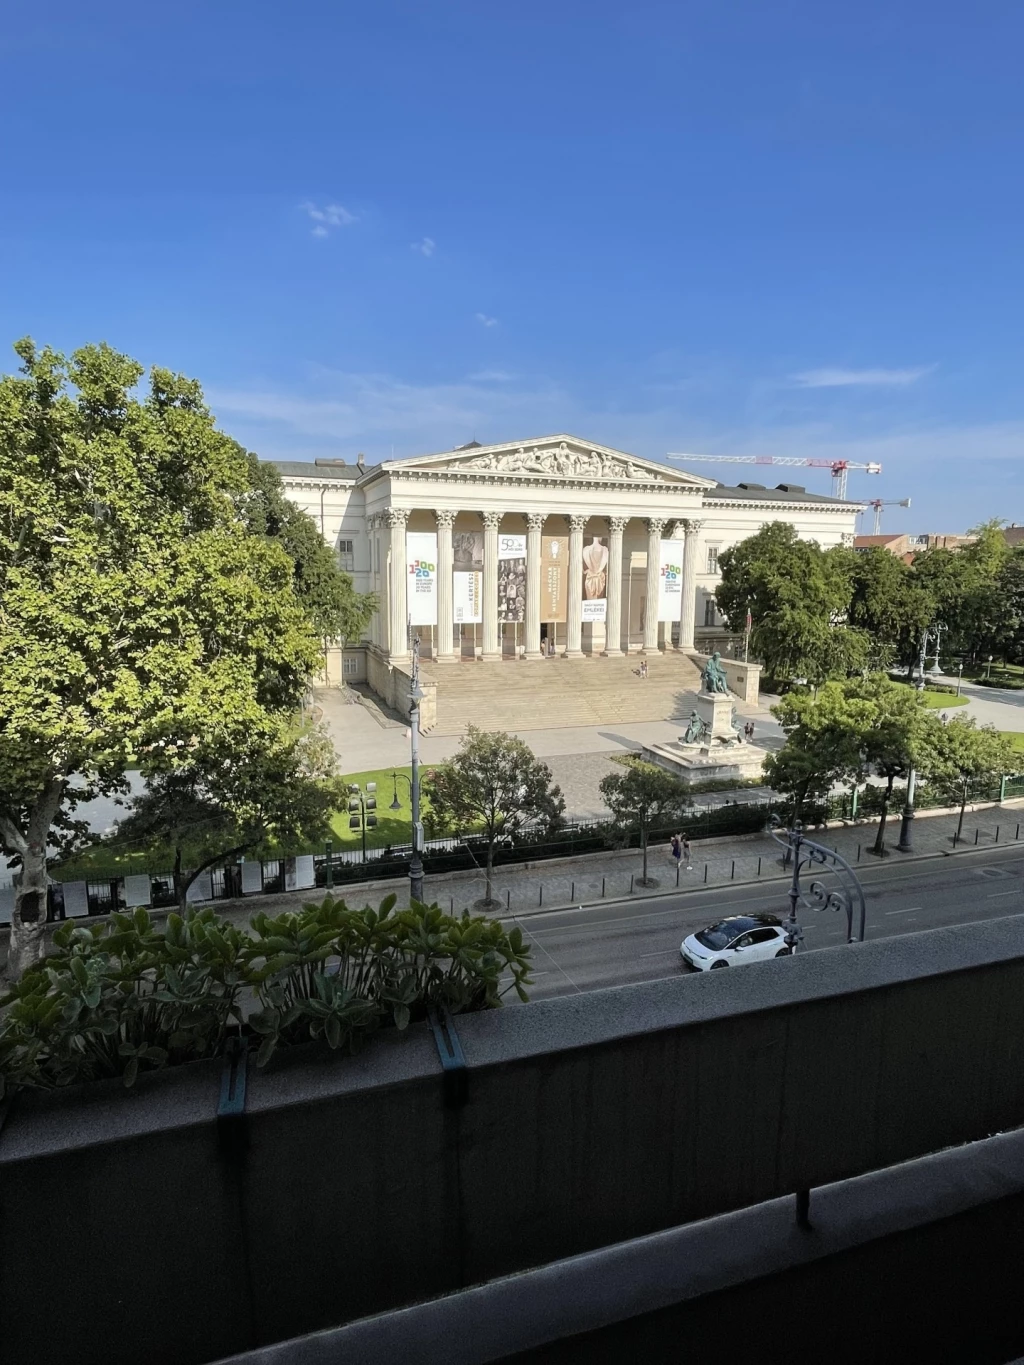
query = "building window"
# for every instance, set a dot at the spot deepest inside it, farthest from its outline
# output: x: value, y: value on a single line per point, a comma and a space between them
x: 350, y: 666
x: 712, y: 559
x: 709, y: 612
x: 346, y: 555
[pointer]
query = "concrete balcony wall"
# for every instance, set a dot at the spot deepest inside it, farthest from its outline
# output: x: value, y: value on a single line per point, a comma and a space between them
x: 350, y: 1187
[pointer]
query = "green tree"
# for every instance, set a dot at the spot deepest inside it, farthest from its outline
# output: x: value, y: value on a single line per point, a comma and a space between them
x: 966, y: 753
x: 1009, y: 593
x: 823, y: 744
x: 137, y: 615
x: 798, y: 596
x: 891, y: 606
x: 494, y: 784
x: 213, y: 808
x: 898, y: 734
x: 962, y: 584
x: 324, y: 589
x: 640, y: 796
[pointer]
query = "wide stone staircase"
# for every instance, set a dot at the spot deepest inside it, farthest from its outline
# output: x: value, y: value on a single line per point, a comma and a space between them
x: 551, y: 694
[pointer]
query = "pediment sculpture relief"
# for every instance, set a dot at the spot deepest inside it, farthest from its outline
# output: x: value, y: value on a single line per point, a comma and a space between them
x: 589, y: 464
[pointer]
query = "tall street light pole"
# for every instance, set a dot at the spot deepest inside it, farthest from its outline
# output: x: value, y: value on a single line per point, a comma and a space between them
x: 416, y: 696
x: 906, y: 844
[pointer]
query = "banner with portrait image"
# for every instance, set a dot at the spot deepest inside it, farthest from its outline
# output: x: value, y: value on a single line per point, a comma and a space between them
x: 554, y: 578
x: 670, y: 582
x: 467, y: 577
x: 421, y: 564
x: 595, y: 578
x: 511, y: 578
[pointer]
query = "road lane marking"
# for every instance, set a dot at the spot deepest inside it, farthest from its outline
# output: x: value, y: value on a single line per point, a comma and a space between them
x: 909, y: 910
x: 660, y: 954
x: 994, y: 895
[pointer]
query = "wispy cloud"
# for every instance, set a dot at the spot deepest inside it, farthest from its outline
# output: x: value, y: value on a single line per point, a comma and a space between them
x: 425, y: 246
x: 843, y: 379
x: 491, y: 377
x: 326, y: 219
x: 485, y: 321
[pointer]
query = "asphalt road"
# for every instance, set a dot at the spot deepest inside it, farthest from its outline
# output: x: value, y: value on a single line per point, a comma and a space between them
x: 623, y: 942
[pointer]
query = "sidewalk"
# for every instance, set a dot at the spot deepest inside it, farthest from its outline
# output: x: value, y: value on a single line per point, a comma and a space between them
x: 527, y: 888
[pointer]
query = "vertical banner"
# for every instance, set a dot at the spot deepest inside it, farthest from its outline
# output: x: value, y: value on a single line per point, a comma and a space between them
x: 554, y: 577
x: 511, y: 578
x: 595, y: 579
x: 467, y: 577
x: 421, y: 558
x: 670, y: 589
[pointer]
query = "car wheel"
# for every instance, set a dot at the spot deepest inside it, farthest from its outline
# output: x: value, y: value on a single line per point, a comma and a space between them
x: 717, y: 964
x: 784, y: 952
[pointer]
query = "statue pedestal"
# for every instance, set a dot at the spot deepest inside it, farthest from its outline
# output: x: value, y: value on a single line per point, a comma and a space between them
x: 716, y: 710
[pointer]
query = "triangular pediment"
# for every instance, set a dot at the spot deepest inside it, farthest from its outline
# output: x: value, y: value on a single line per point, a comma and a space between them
x: 547, y: 457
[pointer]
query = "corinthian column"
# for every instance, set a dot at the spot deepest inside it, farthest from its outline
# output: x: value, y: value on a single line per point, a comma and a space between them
x: 534, y: 526
x: 445, y: 518
x: 398, y: 608
x: 655, y: 526
x: 574, y: 604
x: 613, y: 625
x: 492, y: 648
x: 690, y: 553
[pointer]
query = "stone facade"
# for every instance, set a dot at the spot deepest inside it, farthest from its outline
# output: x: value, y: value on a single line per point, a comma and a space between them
x: 613, y: 510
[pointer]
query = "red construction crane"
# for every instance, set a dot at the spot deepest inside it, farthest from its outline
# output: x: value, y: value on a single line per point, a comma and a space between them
x: 839, y: 468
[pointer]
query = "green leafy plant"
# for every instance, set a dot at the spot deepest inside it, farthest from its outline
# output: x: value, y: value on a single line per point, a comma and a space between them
x: 118, y: 996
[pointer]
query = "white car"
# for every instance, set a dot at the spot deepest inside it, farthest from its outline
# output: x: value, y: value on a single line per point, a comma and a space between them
x: 732, y: 941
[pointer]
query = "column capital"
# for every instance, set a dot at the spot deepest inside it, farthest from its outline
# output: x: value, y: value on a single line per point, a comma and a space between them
x: 492, y: 520
x: 617, y: 524
x: 655, y: 525
x: 577, y: 521
x: 693, y: 524
x: 395, y: 517
x: 445, y: 518
x: 535, y: 520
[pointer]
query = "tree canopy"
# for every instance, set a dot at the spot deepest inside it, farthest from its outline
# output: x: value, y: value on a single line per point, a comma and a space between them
x: 798, y: 596
x: 493, y: 783
x: 215, y: 807
x: 139, y: 616
x: 639, y: 796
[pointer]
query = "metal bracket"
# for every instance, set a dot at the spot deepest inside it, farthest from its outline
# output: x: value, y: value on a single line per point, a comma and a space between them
x: 231, y: 1105
x: 455, y: 1075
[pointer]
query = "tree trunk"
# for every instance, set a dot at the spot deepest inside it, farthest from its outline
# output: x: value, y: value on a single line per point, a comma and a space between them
x: 960, y: 822
x: 180, y: 891
x: 879, y: 845
x: 490, y: 869
x: 28, y: 922
x: 643, y: 845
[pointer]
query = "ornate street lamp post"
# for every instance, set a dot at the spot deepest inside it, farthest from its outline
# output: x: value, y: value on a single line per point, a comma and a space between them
x: 416, y: 695
x: 847, y: 895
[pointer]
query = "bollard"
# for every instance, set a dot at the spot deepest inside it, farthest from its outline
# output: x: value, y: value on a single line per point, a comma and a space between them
x: 631, y: 883
x: 508, y: 900
x: 759, y: 867
x: 452, y: 901
x: 540, y: 894
x: 732, y: 874
x: 677, y: 874
x: 997, y: 834
x: 572, y: 893
x: 858, y: 852
x: 602, y: 886
x: 1017, y: 835
x: 976, y: 833
x: 705, y: 874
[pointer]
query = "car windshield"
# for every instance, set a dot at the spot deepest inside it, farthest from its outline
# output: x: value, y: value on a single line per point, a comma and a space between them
x: 721, y: 935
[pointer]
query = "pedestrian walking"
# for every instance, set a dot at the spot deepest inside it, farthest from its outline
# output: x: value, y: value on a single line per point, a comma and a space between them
x: 676, y: 848
x: 686, y: 853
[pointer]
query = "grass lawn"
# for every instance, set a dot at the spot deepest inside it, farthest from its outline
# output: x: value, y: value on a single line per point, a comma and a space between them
x: 942, y: 701
x: 1015, y: 738
x: 393, y: 827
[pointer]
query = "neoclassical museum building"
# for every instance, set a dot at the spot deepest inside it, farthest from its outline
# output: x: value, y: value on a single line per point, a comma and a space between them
x: 530, y: 548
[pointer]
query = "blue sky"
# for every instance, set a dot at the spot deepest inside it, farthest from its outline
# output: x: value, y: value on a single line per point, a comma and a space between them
x: 787, y: 228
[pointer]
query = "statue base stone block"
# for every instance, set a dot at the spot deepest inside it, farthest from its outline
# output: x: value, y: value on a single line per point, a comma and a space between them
x: 716, y: 710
